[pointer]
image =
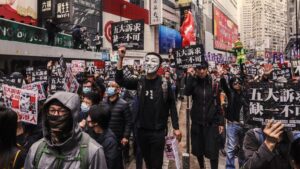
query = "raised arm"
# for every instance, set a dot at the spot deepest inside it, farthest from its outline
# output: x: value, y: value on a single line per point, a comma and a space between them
x: 128, y: 83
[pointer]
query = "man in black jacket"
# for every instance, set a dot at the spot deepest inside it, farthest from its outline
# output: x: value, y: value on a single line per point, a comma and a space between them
x: 121, y: 120
x: 234, y: 113
x: 155, y: 101
x: 98, y: 122
x: 207, y: 121
x: 267, y: 148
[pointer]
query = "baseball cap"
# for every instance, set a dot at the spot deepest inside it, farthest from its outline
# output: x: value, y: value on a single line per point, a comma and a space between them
x: 202, y: 65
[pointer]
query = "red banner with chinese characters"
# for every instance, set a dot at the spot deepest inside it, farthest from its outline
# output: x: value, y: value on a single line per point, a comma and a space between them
x: 225, y: 31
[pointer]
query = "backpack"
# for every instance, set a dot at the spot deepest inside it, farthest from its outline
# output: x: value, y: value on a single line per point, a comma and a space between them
x: 82, y: 157
x: 260, y: 136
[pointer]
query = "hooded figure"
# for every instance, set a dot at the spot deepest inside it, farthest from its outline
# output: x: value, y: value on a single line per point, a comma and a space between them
x: 64, y: 145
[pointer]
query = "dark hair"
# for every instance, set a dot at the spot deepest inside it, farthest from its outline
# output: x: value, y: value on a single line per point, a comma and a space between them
x: 88, y: 81
x: 295, y: 151
x: 8, y: 129
x: 93, y: 96
x: 156, y: 54
x: 203, y: 64
x: 100, y: 114
x: 233, y: 80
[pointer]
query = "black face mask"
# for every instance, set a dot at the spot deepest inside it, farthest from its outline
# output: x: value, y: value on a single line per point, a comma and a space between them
x: 91, y: 132
x: 60, y: 127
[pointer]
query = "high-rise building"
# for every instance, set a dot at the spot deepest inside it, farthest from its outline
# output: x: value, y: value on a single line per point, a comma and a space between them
x: 291, y: 25
x: 264, y: 24
x: 245, y: 22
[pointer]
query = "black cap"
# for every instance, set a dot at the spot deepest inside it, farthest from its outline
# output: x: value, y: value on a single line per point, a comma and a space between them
x: 202, y: 65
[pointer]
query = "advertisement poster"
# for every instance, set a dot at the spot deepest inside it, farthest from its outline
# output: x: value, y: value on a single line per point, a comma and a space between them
x: 225, y: 31
x: 168, y: 39
x: 24, y: 102
x: 24, y: 11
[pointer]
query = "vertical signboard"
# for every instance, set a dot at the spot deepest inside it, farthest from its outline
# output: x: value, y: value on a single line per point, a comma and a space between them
x: 46, y: 8
x: 156, y: 12
x: 63, y: 11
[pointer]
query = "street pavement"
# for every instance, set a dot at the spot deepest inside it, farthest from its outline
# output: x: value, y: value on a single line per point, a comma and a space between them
x: 181, y: 107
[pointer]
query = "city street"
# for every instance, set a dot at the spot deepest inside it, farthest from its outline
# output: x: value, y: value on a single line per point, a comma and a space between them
x: 79, y: 79
x: 181, y: 106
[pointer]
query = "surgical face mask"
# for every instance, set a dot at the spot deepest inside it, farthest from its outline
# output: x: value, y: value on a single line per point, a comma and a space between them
x: 110, y: 91
x: 86, y: 90
x: 84, y: 107
x: 151, y: 63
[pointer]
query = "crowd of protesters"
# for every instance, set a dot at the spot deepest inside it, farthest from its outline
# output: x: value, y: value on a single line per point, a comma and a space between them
x: 93, y: 127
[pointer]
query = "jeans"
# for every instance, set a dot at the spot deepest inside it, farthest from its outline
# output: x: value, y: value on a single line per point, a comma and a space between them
x: 235, y: 136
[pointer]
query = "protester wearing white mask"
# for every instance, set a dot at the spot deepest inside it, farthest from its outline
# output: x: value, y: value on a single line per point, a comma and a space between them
x: 156, y: 101
x: 151, y: 64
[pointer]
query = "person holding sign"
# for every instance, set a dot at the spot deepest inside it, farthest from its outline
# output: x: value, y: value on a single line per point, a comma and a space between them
x: 156, y: 101
x: 207, y: 121
x: 268, y: 147
x: 234, y: 113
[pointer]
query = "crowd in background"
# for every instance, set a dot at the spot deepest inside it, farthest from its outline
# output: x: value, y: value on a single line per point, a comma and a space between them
x: 108, y: 110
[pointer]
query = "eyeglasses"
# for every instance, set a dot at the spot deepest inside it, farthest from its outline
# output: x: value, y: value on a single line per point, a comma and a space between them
x: 236, y: 83
x: 59, y: 111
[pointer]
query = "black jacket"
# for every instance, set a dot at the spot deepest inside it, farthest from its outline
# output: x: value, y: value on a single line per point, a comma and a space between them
x: 206, y: 103
x: 110, y: 145
x: 258, y: 156
x: 162, y: 105
x: 236, y: 101
x: 120, y: 122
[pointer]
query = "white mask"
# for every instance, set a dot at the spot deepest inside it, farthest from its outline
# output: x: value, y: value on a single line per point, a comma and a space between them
x: 151, y: 63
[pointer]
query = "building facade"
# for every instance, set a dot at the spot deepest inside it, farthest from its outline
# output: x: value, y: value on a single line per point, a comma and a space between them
x: 263, y: 25
x: 291, y: 26
x: 220, y: 25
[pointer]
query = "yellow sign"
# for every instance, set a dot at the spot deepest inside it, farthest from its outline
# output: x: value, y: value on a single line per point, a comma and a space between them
x: 184, y: 2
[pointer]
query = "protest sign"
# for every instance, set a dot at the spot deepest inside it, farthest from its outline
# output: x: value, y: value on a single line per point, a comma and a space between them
x: 171, y: 150
x: 15, y: 79
x: 189, y: 56
x: 127, y: 72
x: 37, y: 87
x: 271, y: 101
x: 39, y: 75
x: 57, y: 70
x: 2, y: 81
x: 77, y: 66
x: 296, y: 67
x: 29, y: 70
x: 251, y: 70
x: 24, y: 102
x: 71, y: 84
x: 56, y: 83
x: 129, y: 33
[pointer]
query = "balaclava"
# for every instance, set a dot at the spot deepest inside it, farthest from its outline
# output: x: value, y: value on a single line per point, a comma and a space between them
x: 59, y: 126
